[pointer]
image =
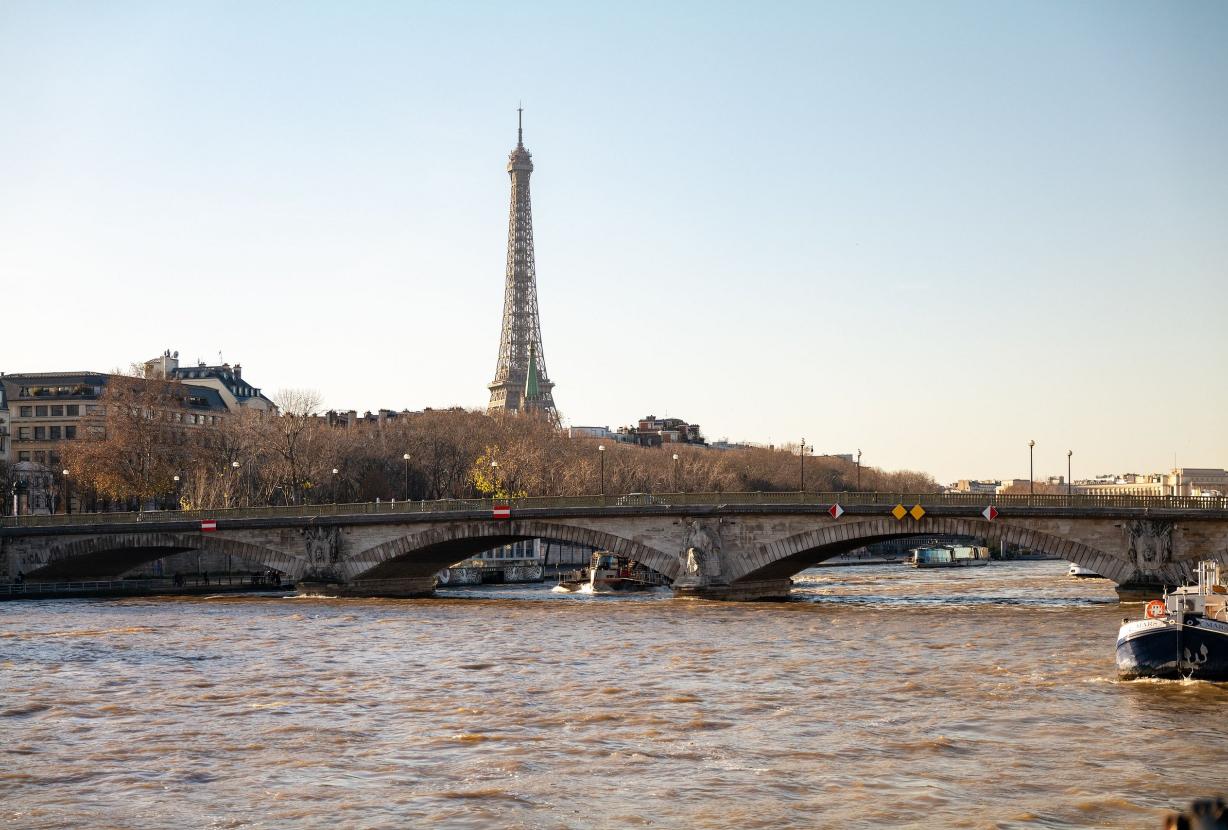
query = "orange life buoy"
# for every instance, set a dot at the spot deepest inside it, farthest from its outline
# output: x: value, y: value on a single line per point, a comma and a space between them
x: 1156, y: 610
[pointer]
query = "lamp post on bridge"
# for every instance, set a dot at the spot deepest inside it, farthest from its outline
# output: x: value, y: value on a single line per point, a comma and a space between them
x: 67, y: 496
x: 334, y: 485
x: 601, y: 455
x: 858, y: 471
x: 178, y: 500
x: 1031, y: 474
x: 234, y: 487
x: 801, y: 454
x: 1069, y: 453
x: 677, y: 488
x: 405, y: 458
x: 494, y: 472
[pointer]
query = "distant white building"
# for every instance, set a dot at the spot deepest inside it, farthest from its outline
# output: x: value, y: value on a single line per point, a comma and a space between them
x: 589, y: 432
x: 1180, y: 481
x: 967, y: 485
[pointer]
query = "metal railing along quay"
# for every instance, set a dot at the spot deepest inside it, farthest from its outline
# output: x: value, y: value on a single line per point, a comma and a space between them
x: 845, y: 499
x: 17, y: 589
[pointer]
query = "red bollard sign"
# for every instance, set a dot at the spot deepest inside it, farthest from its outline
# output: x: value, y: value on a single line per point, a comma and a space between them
x: 208, y: 526
x: 501, y: 511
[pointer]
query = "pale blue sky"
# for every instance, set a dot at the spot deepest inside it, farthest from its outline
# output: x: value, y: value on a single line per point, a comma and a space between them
x: 933, y: 231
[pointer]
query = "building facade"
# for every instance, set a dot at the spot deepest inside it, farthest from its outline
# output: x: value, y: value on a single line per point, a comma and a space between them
x: 652, y: 431
x: 1180, y: 481
x: 4, y: 426
x: 43, y: 411
x: 226, y: 380
x: 46, y: 409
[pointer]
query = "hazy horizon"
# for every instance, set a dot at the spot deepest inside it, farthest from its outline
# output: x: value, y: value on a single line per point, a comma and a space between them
x: 931, y: 232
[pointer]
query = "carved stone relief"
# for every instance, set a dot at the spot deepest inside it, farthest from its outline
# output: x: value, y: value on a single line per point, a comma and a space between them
x: 1151, y: 543
x: 701, y: 554
x: 322, y: 547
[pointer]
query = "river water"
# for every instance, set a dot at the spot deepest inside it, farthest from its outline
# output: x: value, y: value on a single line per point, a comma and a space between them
x: 880, y: 697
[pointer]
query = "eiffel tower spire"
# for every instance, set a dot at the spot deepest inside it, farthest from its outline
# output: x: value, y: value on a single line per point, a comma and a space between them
x: 520, y: 345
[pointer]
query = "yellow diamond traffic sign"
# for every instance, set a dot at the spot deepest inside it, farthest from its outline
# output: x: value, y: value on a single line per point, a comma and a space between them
x: 899, y: 512
x: 917, y: 512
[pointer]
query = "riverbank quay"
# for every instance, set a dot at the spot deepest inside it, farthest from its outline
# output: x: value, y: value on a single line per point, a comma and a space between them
x: 106, y: 589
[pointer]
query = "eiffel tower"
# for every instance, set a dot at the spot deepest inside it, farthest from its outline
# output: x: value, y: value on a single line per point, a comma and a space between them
x: 520, y: 383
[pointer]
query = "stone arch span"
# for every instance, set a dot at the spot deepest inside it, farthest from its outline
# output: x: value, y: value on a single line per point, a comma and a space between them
x: 785, y: 557
x: 422, y: 554
x: 111, y: 555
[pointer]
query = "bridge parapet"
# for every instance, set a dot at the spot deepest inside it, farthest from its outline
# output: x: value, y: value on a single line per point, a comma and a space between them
x: 960, y: 503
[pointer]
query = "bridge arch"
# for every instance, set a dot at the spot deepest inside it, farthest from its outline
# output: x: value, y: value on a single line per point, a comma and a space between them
x: 785, y: 557
x: 424, y: 553
x: 111, y: 555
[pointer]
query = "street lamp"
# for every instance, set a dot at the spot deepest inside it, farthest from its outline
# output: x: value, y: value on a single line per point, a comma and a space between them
x: 334, y: 485
x: 677, y: 489
x: 234, y: 465
x: 178, y: 501
x: 601, y: 455
x: 494, y: 472
x: 859, y: 471
x: 802, y: 455
x: 67, y: 496
x: 1069, y: 453
x: 1031, y: 475
x: 406, y: 459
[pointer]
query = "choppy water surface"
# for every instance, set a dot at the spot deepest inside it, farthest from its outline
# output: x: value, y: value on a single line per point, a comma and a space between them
x: 883, y: 697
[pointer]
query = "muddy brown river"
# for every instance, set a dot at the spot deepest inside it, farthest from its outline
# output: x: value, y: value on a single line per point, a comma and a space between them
x: 879, y: 697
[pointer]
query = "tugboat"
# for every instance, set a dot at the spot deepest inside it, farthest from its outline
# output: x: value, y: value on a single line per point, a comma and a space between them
x: 610, y: 573
x: 1184, y: 635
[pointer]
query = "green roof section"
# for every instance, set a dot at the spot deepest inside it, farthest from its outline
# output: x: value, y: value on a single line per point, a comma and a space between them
x: 532, y: 392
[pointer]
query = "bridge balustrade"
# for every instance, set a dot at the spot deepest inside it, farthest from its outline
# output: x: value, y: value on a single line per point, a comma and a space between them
x: 639, y: 500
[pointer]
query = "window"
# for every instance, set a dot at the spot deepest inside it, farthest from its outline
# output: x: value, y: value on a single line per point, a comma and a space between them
x: 93, y: 410
x: 74, y: 409
x: 23, y: 434
x: 55, y: 433
x: 70, y: 433
x: 40, y: 433
x: 23, y: 456
x: 27, y: 412
x: 40, y: 412
x: 54, y: 458
x: 57, y: 412
x: 40, y: 457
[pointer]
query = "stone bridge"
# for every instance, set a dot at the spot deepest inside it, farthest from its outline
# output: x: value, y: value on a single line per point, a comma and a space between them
x: 718, y: 546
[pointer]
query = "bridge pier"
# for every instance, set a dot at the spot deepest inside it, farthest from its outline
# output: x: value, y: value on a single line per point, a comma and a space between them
x: 765, y: 590
x: 399, y: 587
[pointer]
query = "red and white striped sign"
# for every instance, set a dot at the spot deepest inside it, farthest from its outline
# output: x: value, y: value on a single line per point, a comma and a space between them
x: 836, y: 511
x: 501, y: 511
x: 208, y: 526
x: 990, y: 513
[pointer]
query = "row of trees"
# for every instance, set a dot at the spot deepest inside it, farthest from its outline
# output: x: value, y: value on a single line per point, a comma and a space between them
x: 131, y: 454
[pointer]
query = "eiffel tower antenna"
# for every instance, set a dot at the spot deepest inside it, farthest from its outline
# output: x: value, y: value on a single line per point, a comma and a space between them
x: 520, y: 343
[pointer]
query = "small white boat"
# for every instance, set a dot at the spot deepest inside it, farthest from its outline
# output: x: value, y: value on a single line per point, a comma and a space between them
x: 1082, y: 572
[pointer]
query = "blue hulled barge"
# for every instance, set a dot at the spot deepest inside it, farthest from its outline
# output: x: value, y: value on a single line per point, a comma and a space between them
x: 1184, y: 635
